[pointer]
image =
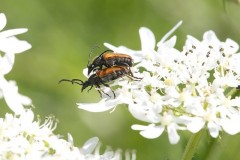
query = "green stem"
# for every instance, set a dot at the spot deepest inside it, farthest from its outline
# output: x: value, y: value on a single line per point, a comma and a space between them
x: 212, y: 151
x: 231, y: 92
x: 192, y: 145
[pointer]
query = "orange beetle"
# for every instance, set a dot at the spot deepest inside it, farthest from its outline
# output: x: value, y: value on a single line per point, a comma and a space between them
x: 101, y: 77
x: 109, y: 59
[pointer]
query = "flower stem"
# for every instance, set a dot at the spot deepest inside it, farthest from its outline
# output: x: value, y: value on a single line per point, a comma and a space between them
x: 192, y: 145
x: 231, y: 92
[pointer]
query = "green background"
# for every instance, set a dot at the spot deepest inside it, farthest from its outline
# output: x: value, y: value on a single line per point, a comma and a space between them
x: 63, y: 33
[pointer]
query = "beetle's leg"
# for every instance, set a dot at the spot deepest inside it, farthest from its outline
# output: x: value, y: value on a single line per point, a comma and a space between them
x: 90, y: 88
x: 104, y: 93
x: 99, y: 89
x: 131, y: 76
x: 106, y: 85
x: 134, y: 78
x: 127, y: 65
x: 100, y: 93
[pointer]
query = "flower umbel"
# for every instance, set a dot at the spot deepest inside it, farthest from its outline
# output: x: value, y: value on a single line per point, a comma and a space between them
x: 181, y: 90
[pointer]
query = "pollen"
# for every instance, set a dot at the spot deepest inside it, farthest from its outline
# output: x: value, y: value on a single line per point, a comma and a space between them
x: 169, y: 82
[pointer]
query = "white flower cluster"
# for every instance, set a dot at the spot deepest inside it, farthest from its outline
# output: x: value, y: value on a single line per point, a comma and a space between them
x: 180, y: 90
x: 25, y: 139
x: 22, y: 137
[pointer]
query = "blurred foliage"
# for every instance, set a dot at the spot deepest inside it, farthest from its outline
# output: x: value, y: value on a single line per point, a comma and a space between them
x: 62, y: 34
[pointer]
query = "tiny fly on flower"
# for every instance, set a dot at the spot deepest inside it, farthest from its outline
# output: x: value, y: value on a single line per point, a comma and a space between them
x: 102, y: 77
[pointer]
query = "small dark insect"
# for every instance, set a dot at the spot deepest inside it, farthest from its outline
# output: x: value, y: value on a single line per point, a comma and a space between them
x: 101, y: 77
x: 109, y: 59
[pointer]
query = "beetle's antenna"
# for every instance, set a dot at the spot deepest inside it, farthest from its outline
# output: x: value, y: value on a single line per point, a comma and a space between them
x: 77, y: 81
x: 89, y: 56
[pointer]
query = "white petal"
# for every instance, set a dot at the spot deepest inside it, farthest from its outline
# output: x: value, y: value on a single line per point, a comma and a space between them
x: 144, y: 112
x: 166, y: 36
x: 233, y: 45
x: 3, y: 21
x: 231, y: 126
x: 147, y: 39
x: 11, y: 95
x: 138, y: 127
x: 70, y: 138
x: 13, y: 45
x: 112, y: 47
x: 101, y: 106
x: 211, y: 37
x: 13, y: 32
x: 85, y: 72
x: 25, y: 100
x: 6, y: 63
x: 191, y: 41
x: 171, y: 42
x: 151, y: 131
x: 195, y: 125
x: 120, y: 49
x: 138, y: 112
x: 172, y: 134
x: 90, y: 145
x: 27, y: 116
x: 213, y: 129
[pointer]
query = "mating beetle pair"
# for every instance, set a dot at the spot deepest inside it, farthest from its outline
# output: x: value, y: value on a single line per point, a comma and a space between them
x: 115, y: 65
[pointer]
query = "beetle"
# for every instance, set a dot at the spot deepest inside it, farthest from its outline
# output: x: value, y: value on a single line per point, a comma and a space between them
x: 109, y: 59
x: 102, y: 77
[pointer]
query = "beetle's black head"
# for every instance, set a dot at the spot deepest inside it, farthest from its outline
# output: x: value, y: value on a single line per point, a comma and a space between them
x: 85, y: 85
x: 90, y: 82
x: 97, y: 63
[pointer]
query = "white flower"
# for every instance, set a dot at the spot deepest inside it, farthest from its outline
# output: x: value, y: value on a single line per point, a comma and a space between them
x: 8, y: 42
x: 169, y: 121
x: 10, y: 45
x: 179, y: 90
